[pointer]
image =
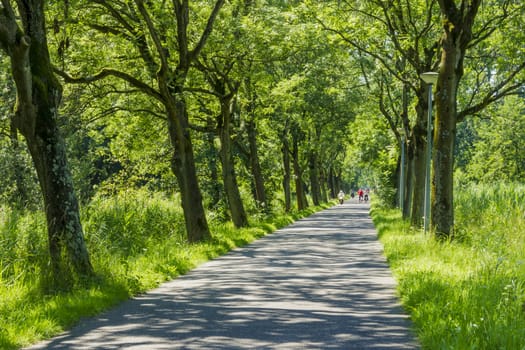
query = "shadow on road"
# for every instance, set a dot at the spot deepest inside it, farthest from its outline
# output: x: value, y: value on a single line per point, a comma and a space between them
x: 321, y: 283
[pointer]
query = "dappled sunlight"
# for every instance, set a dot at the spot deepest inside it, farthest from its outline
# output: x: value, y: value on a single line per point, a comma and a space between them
x: 319, y: 283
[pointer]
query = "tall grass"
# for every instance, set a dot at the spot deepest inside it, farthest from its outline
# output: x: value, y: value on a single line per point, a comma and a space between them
x: 468, y: 293
x: 136, y: 241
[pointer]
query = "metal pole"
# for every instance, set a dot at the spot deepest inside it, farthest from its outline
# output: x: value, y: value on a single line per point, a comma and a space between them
x: 429, y: 155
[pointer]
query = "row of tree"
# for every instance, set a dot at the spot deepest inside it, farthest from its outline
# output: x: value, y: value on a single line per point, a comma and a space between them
x: 198, y: 80
x: 471, y: 44
x: 230, y: 104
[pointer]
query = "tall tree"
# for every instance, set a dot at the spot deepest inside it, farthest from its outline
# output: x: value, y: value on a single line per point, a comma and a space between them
x: 38, y: 99
x: 287, y: 174
x: 461, y: 32
x: 161, y: 35
x: 261, y: 197
x: 297, y: 137
x: 252, y: 38
x: 225, y: 89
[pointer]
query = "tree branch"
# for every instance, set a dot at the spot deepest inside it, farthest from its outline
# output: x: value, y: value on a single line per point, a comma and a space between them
x: 136, y: 35
x: 203, y: 91
x: 107, y: 72
x: 499, y: 91
x: 207, y: 31
x: 154, y: 36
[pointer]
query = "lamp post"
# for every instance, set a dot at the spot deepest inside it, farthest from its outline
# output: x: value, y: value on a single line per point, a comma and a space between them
x: 430, y: 78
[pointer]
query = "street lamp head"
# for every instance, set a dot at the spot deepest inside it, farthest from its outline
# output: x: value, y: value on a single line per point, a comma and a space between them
x: 429, y: 77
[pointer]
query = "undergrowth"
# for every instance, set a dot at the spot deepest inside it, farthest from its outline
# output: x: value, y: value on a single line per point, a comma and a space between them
x: 136, y: 241
x: 468, y: 293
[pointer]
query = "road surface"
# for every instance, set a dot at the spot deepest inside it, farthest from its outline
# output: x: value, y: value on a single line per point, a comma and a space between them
x: 321, y: 283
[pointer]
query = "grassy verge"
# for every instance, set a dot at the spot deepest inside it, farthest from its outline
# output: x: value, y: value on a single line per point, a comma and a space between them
x: 468, y: 293
x: 135, y: 242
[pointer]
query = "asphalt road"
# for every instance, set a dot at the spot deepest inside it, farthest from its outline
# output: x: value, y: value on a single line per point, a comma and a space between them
x: 321, y: 283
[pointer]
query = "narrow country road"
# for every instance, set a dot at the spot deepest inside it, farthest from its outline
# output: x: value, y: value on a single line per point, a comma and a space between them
x: 321, y: 283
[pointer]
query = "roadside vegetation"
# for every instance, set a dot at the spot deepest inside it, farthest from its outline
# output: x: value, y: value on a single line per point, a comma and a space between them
x: 136, y: 241
x: 129, y: 128
x: 469, y: 292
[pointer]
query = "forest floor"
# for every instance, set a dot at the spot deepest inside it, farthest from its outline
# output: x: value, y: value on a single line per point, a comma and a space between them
x: 320, y: 283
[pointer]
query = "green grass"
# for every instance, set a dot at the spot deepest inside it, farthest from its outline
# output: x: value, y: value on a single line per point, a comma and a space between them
x: 468, y: 293
x: 136, y: 241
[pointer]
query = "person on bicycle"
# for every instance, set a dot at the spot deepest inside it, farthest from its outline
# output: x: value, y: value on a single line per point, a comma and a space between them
x: 360, y: 194
x: 341, y: 196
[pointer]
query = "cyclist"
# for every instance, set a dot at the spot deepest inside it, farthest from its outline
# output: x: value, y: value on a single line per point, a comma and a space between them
x: 341, y: 196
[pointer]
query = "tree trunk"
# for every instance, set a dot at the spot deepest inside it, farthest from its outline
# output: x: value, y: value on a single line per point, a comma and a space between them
x: 38, y: 98
x: 183, y: 166
x: 442, y: 210
x: 302, y: 202
x: 285, y: 149
x: 406, y: 164
x: 397, y: 181
x: 314, y: 178
x: 457, y: 35
x: 171, y: 85
x: 214, y: 174
x: 410, y: 179
x: 48, y: 151
x: 418, y: 140
x: 260, y: 193
x: 331, y: 182
x: 418, y: 195
x: 231, y: 187
x: 323, y: 181
x: 251, y: 126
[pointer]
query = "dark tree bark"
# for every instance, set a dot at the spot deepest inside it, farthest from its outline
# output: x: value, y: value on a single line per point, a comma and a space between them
x: 323, y: 180
x: 38, y: 99
x: 314, y: 178
x: 212, y: 164
x: 226, y: 92
x: 285, y: 150
x: 417, y: 158
x: 302, y: 202
x: 403, y: 166
x: 457, y: 34
x: 183, y: 166
x: 255, y: 165
x: 251, y: 129
x: 410, y: 178
x: 231, y: 187
x: 332, y: 183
